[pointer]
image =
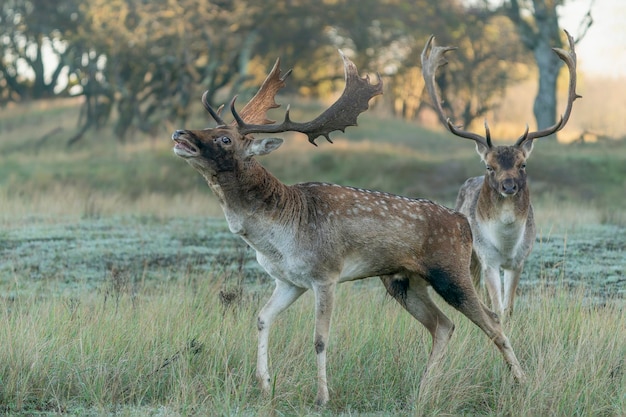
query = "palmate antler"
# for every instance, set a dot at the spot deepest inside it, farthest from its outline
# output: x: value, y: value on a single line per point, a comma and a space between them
x: 434, y: 59
x: 343, y: 113
x: 256, y: 109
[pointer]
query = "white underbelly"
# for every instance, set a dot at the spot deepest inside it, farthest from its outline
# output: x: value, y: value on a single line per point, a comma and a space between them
x: 499, y: 242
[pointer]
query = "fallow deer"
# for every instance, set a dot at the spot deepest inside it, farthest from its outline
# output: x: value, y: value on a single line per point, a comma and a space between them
x: 497, y: 204
x: 313, y: 236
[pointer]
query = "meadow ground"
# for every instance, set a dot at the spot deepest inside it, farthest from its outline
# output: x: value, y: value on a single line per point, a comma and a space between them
x: 123, y: 293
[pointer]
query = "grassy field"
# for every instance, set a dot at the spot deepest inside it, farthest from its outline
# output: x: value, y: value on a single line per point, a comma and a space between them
x: 116, y: 268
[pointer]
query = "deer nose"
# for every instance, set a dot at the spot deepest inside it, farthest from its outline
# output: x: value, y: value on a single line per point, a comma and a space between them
x: 177, y: 134
x: 509, y: 186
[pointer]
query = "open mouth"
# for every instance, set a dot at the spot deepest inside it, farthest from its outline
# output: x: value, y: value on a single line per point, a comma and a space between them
x: 182, y: 147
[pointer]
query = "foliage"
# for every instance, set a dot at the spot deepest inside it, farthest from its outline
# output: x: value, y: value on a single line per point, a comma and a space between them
x: 144, y: 62
x: 30, y: 29
x: 157, y: 53
x: 489, y: 58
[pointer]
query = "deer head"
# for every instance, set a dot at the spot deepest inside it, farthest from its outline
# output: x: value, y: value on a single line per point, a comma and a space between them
x: 506, y: 165
x: 222, y: 148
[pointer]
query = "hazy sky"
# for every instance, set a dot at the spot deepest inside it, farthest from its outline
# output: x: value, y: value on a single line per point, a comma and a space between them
x: 603, y: 50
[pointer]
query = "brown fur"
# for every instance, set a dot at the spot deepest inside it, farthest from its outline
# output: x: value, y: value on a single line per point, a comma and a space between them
x: 315, y: 236
x: 498, y: 204
x: 502, y: 223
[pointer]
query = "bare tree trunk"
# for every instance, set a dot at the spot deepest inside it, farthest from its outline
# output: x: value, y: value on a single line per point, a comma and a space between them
x: 545, y: 102
x: 540, y: 38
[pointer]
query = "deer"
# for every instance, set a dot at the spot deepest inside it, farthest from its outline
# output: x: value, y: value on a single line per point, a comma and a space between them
x: 497, y: 204
x: 314, y: 236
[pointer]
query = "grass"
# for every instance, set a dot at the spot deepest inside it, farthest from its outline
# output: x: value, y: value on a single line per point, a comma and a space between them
x: 116, y: 271
x: 177, y: 348
x: 390, y: 155
x: 94, y: 310
x: 76, y: 256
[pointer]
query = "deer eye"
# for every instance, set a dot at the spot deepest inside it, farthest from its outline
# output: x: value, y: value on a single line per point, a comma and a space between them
x: 489, y: 168
x: 523, y: 166
x: 224, y: 139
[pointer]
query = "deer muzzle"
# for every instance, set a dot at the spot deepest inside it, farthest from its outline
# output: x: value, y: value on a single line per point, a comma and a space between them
x: 508, y: 187
x: 182, y: 146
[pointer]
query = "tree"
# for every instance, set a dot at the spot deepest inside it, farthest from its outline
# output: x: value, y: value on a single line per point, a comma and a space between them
x: 30, y: 30
x: 485, y: 62
x: 147, y: 61
x: 538, y: 27
x: 155, y: 55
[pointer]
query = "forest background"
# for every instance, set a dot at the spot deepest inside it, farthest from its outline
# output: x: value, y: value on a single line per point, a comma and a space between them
x: 138, y: 67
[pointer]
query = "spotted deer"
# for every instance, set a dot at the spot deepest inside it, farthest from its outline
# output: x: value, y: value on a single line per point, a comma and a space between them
x: 497, y: 204
x: 313, y: 236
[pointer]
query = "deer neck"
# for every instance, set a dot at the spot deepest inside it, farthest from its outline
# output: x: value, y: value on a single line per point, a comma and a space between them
x: 250, y: 195
x: 494, y: 207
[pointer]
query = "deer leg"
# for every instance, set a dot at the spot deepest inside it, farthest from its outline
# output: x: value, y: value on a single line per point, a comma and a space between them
x: 283, y: 296
x: 511, y: 280
x: 491, y: 276
x: 412, y: 294
x: 476, y: 270
x: 460, y: 294
x: 324, y: 302
x: 489, y: 323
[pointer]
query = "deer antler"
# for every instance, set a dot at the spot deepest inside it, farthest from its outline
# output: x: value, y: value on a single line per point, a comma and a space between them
x: 570, y: 60
x: 430, y: 63
x: 214, y: 114
x: 256, y: 109
x: 343, y: 113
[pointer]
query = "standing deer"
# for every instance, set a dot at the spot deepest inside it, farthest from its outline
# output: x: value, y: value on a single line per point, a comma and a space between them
x: 313, y: 236
x: 498, y: 204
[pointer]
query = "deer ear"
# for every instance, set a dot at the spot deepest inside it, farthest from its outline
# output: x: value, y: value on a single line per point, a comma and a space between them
x: 482, y: 150
x: 263, y: 146
x: 527, y: 147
